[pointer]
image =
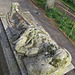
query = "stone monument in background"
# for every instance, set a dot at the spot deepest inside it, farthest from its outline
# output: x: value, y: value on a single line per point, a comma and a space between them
x: 49, y: 4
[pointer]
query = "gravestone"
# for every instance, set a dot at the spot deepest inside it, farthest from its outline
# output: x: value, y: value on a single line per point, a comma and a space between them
x: 33, y: 47
x: 50, y: 4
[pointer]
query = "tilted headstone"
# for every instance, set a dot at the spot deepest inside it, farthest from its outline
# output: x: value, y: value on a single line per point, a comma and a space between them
x: 49, y: 4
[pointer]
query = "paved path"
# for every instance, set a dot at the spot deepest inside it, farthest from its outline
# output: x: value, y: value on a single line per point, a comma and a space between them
x: 54, y: 32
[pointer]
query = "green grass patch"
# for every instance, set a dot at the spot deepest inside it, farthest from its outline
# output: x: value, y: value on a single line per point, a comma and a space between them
x: 69, y: 4
x: 41, y: 3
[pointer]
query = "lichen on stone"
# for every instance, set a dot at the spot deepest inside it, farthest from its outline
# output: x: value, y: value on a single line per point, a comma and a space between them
x: 42, y: 55
x: 32, y: 40
x: 50, y: 4
x: 49, y: 57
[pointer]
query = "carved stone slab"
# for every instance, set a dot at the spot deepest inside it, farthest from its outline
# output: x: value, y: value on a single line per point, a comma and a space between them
x: 34, y: 50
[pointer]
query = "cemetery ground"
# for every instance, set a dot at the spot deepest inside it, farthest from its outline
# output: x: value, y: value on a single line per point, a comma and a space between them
x: 54, y: 32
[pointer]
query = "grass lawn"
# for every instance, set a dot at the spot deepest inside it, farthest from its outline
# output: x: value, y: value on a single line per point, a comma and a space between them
x: 70, y: 5
x: 62, y: 21
x: 41, y: 3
